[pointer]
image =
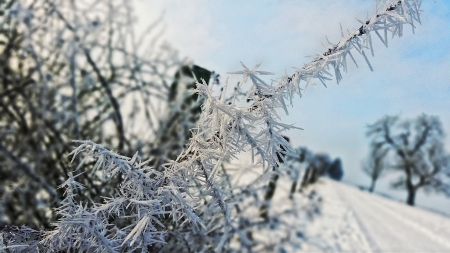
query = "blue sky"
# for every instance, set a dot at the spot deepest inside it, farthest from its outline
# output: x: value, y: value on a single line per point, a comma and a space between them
x: 411, y: 77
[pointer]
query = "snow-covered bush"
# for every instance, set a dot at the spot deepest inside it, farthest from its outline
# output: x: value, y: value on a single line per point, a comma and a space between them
x: 197, y: 202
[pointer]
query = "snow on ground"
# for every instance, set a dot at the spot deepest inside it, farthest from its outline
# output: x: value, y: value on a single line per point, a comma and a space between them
x: 351, y: 220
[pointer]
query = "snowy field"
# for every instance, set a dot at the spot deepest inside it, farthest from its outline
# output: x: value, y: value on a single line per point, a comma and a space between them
x: 352, y: 220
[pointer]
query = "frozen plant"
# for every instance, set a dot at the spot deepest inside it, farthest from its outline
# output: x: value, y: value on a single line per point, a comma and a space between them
x: 195, y: 203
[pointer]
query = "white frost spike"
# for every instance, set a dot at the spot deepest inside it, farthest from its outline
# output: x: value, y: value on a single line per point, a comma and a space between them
x: 247, y: 72
x: 137, y: 230
x: 133, y: 159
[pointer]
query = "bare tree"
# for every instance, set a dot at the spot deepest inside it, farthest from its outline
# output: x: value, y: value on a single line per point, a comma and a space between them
x: 375, y: 165
x: 77, y: 70
x: 418, y: 151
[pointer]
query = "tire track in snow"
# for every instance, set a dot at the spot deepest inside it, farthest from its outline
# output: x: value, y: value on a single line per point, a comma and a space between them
x: 434, y: 222
x: 387, y: 207
x: 364, y: 230
x: 337, y: 228
x: 385, y: 227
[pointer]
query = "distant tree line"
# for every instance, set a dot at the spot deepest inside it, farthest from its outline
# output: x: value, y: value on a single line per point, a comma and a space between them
x: 317, y: 165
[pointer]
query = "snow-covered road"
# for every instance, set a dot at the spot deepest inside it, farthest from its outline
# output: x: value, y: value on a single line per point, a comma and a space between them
x: 352, y: 220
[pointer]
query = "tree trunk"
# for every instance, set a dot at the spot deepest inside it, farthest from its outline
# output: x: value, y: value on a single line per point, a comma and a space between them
x: 411, y: 197
x: 410, y: 187
x: 305, y: 180
x: 268, y: 197
x: 372, y: 185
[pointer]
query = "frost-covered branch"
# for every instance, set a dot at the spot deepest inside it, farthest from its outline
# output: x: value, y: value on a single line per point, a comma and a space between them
x: 134, y: 218
x: 388, y: 20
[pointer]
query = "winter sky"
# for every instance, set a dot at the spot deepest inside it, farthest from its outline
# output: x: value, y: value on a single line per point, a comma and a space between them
x: 410, y: 77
